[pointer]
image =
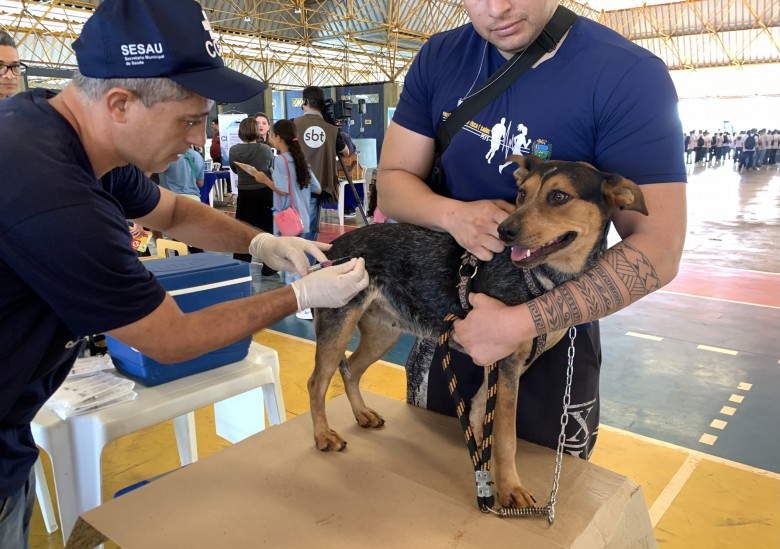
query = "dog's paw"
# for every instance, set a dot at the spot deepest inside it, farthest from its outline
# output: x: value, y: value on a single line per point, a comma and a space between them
x: 329, y: 440
x: 516, y: 496
x: 369, y: 418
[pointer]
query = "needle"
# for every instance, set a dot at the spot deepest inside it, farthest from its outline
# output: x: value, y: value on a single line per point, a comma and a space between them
x: 329, y: 263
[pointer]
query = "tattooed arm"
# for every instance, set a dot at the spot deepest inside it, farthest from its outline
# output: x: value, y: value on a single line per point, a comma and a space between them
x: 645, y: 260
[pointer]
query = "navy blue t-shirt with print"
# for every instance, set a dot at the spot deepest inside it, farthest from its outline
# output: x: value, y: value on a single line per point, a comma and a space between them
x: 67, y: 268
x: 600, y: 99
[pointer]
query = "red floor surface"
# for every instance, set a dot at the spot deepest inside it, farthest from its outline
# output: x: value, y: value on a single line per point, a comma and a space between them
x: 743, y: 286
x: 329, y: 231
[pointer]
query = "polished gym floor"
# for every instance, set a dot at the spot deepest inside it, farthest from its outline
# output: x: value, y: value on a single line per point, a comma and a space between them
x: 690, y: 379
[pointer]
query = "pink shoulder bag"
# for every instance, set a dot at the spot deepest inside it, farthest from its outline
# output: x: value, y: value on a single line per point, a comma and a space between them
x: 288, y: 221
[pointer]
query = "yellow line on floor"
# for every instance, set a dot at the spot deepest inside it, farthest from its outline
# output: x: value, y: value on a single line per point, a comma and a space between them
x: 695, y: 453
x: 728, y: 410
x: 672, y: 489
x: 718, y: 424
x: 707, y: 438
x: 717, y: 350
x: 645, y: 336
x: 310, y: 342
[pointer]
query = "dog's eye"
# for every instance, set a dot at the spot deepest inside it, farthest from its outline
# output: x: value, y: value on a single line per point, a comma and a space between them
x: 521, y: 196
x: 556, y: 198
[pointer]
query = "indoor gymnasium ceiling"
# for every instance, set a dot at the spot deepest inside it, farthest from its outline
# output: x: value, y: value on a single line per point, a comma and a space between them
x: 293, y: 43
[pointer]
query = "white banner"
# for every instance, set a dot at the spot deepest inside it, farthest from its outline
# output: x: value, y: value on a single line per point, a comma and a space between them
x: 228, y: 136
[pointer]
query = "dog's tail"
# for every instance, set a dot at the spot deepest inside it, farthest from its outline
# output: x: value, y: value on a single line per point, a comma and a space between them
x: 344, y: 367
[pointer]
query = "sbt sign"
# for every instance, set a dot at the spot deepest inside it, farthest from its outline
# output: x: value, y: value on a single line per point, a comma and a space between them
x: 314, y: 137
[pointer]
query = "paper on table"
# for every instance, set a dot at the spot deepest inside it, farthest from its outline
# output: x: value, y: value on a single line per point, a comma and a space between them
x: 248, y: 168
x: 84, y: 394
x: 87, y: 366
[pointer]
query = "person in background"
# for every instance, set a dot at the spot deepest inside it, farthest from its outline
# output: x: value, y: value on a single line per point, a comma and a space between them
x: 215, y: 149
x: 762, y: 145
x: 255, y: 194
x: 739, y: 144
x: 292, y: 175
x: 184, y: 176
x: 10, y: 66
x: 67, y: 266
x: 349, y: 161
x: 321, y: 142
x: 774, y: 145
x: 263, y: 127
x: 749, y: 146
x: 621, y: 119
x: 690, y: 146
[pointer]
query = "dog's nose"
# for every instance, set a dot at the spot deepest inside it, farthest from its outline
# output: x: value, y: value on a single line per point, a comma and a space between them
x: 507, y: 231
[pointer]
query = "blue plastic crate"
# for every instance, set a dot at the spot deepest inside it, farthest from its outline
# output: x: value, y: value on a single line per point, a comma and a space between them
x: 195, y: 281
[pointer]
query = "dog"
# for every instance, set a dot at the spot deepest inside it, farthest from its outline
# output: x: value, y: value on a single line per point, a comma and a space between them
x: 557, y: 232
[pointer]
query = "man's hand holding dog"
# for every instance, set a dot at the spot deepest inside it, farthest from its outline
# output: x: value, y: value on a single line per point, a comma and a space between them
x: 492, y: 330
x: 479, y: 235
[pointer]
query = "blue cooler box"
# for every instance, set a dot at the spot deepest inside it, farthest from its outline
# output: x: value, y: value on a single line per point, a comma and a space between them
x: 195, y: 281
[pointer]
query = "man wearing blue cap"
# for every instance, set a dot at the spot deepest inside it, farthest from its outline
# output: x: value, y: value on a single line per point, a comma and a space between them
x: 148, y: 72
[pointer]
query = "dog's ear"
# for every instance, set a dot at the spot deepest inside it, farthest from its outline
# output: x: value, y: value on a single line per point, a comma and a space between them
x: 623, y: 194
x: 526, y: 164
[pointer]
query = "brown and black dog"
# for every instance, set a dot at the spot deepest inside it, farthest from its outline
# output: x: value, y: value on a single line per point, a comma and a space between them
x: 557, y: 232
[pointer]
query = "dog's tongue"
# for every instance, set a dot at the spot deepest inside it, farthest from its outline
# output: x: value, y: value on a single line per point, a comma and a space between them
x: 519, y: 254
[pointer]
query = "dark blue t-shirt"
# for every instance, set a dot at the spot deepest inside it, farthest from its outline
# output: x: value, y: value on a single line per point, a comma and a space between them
x: 67, y: 268
x: 601, y: 99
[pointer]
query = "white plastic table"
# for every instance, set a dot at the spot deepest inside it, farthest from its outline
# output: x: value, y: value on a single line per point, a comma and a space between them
x: 75, y: 445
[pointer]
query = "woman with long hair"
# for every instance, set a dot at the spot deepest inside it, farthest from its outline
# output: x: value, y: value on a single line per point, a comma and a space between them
x: 293, y: 177
x: 293, y: 174
x: 263, y: 126
x: 255, y: 194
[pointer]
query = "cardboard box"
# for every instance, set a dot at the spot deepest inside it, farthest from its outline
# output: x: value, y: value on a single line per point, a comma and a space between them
x: 195, y: 281
x: 409, y: 484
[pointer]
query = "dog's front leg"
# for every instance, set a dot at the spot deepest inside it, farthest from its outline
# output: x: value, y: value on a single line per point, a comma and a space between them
x: 511, y: 492
x: 477, y: 410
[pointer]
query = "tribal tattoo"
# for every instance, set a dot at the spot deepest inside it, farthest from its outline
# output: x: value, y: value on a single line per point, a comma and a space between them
x: 603, y: 291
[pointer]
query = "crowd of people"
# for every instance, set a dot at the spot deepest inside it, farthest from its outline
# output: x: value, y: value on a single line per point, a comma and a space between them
x: 748, y: 150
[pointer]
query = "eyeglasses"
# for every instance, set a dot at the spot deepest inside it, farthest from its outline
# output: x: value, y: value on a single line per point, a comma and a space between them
x: 15, y: 69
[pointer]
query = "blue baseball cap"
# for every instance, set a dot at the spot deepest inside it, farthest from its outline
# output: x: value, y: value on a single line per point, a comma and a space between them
x: 160, y: 38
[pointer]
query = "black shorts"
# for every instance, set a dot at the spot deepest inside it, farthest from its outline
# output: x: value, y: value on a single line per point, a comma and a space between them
x: 540, y: 400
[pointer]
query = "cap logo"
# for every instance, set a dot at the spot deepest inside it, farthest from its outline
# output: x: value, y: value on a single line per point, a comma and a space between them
x: 138, y: 54
x: 212, y: 48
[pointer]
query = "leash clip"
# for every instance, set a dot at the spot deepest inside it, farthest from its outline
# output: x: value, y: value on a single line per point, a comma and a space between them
x: 468, y: 262
x: 484, y: 484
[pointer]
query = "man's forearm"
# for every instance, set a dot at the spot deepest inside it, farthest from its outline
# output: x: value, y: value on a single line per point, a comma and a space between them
x: 622, y: 276
x: 203, y: 331
x: 207, y: 228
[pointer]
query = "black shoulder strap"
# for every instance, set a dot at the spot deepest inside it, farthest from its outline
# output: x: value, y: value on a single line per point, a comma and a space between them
x: 510, y: 71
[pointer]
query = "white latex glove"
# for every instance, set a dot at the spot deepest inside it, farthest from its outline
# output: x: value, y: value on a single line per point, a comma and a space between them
x: 287, y: 253
x: 332, y: 286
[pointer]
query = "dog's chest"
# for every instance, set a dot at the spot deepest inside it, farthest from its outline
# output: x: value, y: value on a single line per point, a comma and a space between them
x: 509, y: 284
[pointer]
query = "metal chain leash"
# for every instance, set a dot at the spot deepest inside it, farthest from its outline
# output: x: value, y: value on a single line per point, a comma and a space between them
x: 547, y: 511
x: 564, y: 422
